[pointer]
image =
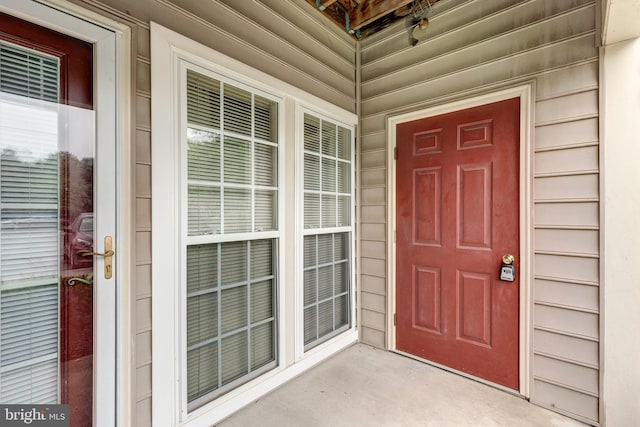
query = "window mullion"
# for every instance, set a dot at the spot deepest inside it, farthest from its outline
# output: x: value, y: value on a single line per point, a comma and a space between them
x: 249, y: 285
x: 317, y: 262
x: 333, y: 279
x: 221, y: 160
x: 335, y: 189
x: 320, y: 189
x: 219, y: 311
x: 253, y: 163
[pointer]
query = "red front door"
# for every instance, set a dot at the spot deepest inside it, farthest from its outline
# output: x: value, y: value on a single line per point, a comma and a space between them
x: 457, y: 215
x: 46, y: 204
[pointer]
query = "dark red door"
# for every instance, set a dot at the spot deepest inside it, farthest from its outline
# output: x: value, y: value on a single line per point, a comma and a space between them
x: 457, y: 215
x: 74, y: 186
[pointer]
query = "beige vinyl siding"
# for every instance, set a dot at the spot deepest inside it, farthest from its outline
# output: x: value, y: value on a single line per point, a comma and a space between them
x: 284, y: 38
x: 142, y: 349
x: 472, y: 46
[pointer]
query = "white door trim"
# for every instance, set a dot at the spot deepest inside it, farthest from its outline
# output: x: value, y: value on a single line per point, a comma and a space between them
x: 525, y: 93
x: 112, y: 41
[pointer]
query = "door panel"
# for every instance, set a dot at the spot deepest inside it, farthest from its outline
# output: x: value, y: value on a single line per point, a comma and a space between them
x: 457, y: 214
x: 47, y: 139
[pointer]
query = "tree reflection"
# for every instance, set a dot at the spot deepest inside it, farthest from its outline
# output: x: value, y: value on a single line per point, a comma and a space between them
x: 76, y: 186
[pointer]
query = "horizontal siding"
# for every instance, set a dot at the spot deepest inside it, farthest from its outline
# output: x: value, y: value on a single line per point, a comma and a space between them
x: 269, y: 29
x: 568, y: 267
x: 284, y: 39
x: 563, y: 399
x: 568, y: 107
x: 373, y: 284
x: 574, y: 241
x: 372, y: 249
x: 372, y: 336
x: 564, y: 214
x: 567, y: 320
x: 467, y: 49
x: 567, y: 80
x: 572, y: 160
x: 460, y: 81
x: 577, y: 295
x: 142, y: 350
x: 373, y: 214
x: 372, y: 319
x: 567, y: 134
x: 571, y: 349
x: 473, y: 46
x: 319, y: 34
x: 468, y: 22
x: 576, y: 376
x: 559, y: 188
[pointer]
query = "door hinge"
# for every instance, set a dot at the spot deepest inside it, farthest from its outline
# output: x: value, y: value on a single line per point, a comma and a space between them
x: 395, y: 153
x: 395, y: 319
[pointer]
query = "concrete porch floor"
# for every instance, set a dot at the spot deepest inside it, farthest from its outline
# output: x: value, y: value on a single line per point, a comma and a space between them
x: 363, y: 386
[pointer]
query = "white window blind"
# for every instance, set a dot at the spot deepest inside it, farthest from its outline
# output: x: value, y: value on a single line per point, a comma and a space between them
x: 328, y: 229
x: 27, y: 73
x: 29, y: 242
x: 232, y: 190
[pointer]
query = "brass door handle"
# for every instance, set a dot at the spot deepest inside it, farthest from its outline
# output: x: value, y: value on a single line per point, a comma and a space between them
x: 107, y: 255
x: 74, y: 280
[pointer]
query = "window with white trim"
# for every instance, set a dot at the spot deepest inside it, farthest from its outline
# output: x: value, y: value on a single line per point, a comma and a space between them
x: 228, y: 179
x: 328, y: 228
x: 230, y: 234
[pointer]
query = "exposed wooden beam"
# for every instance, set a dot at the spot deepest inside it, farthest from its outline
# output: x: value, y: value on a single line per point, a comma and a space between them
x: 334, y: 14
x: 370, y: 10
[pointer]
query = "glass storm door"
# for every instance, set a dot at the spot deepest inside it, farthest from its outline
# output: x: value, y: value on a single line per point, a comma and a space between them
x: 50, y: 209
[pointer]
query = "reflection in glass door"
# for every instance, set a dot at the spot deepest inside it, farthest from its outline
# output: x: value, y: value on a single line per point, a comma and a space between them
x: 46, y: 210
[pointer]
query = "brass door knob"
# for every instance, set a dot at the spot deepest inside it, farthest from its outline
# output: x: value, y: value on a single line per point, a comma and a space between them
x: 508, y: 259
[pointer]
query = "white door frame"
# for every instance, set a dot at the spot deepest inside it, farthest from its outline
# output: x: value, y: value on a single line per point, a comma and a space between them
x: 111, y: 40
x: 525, y: 93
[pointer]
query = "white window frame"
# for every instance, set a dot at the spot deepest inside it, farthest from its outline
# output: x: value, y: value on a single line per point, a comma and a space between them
x: 183, y: 65
x: 301, y: 232
x: 168, y: 49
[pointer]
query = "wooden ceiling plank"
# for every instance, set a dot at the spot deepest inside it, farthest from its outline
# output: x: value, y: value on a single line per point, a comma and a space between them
x: 336, y: 16
x: 370, y: 10
x: 328, y: 3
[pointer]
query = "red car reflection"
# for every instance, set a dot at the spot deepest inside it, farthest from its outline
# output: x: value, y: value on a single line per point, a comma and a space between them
x: 79, y: 239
